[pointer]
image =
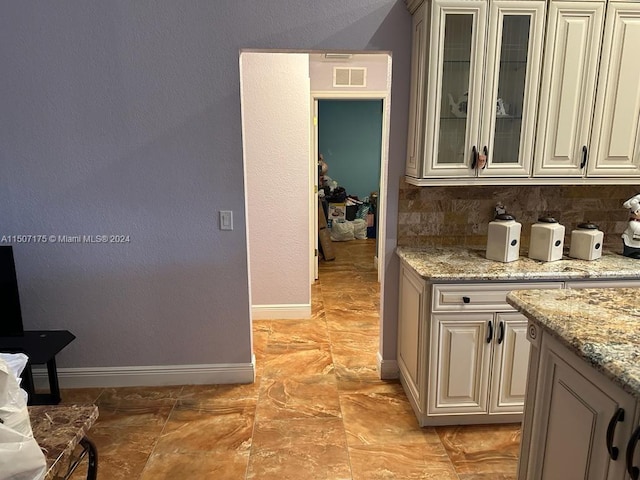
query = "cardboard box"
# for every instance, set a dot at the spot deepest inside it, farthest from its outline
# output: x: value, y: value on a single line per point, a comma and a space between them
x: 337, y: 211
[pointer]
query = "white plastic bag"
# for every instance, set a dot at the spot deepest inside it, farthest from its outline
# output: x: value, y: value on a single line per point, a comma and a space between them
x: 360, y: 229
x: 20, y: 455
x: 341, y: 231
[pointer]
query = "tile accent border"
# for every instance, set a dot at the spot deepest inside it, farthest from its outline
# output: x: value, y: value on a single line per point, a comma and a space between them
x: 139, y: 376
x: 287, y: 311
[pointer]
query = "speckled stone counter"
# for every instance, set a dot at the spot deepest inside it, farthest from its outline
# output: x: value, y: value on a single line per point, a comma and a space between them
x: 58, y: 429
x: 600, y: 325
x: 463, y: 264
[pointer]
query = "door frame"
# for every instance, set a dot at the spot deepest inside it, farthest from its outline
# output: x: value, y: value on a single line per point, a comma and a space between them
x: 385, y: 96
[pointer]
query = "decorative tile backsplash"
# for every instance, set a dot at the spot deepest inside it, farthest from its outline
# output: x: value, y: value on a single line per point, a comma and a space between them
x: 442, y: 216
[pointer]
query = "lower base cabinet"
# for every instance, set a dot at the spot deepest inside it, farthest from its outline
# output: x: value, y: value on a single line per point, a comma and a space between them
x: 462, y: 350
x: 578, y: 422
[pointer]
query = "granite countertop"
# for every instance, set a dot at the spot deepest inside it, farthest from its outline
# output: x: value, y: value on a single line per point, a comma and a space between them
x: 464, y: 264
x: 600, y: 325
x: 58, y: 429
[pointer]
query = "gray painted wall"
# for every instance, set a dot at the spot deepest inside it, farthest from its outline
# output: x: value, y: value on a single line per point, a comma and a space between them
x: 123, y: 117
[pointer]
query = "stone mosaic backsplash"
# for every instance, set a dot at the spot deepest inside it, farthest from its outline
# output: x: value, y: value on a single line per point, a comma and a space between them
x: 448, y: 216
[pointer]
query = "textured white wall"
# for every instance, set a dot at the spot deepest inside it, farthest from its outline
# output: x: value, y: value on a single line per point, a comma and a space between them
x: 276, y: 138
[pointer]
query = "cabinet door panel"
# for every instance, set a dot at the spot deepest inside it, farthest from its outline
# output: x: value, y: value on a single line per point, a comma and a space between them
x: 574, y: 405
x: 411, y: 314
x: 452, y: 122
x: 514, y: 54
x: 616, y: 132
x: 416, y: 104
x: 510, y: 364
x: 567, y: 94
x: 459, y: 363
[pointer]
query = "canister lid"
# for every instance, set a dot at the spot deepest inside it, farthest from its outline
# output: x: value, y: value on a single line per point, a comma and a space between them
x: 505, y: 217
x: 588, y: 226
x: 547, y: 220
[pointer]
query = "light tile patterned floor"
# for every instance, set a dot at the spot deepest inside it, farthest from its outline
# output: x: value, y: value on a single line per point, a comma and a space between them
x: 316, y: 411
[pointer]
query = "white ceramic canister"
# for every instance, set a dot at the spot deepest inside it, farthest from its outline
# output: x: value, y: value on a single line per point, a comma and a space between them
x: 503, y: 239
x: 547, y: 240
x: 586, y: 242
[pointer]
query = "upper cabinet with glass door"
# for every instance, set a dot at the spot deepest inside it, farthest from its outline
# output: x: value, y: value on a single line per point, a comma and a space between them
x: 475, y: 73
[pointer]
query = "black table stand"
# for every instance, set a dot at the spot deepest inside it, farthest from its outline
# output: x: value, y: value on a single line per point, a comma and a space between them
x: 41, y: 346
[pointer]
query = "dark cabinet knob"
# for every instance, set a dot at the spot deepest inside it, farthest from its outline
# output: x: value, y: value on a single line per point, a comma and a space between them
x: 466, y: 299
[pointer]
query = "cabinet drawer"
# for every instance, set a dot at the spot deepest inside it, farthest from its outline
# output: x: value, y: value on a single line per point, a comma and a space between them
x: 480, y: 297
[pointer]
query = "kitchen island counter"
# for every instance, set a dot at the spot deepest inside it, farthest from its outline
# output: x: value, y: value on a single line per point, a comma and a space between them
x: 440, y: 264
x: 602, y: 326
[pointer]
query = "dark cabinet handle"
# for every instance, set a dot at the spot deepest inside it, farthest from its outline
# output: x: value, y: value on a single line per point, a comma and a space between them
x: 634, y: 472
x: 474, y: 156
x: 618, y: 416
x: 584, y: 156
x: 490, y: 333
x: 500, y: 332
x: 466, y: 299
x: 486, y: 154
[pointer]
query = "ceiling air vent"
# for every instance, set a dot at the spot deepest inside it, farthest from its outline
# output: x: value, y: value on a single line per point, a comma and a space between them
x: 349, y: 77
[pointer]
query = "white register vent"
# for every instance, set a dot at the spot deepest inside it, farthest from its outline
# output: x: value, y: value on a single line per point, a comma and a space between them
x: 349, y: 77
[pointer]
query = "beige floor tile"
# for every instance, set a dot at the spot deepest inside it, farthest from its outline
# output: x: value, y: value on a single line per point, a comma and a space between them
x: 298, y: 332
x: 401, y: 461
x: 218, y: 465
x: 208, y: 397
x: 132, y: 415
x: 308, y: 448
x: 298, y: 397
x: 282, y: 361
x: 79, y: 395
x: 380, y: 415
x: 482, y: 449
x: 227, y: 428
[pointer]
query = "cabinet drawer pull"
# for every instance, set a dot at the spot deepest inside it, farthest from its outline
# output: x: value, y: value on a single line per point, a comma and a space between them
x: 634, y: 472
x: 500, y: 332
x: 490, y: 332
x: 618, y: 416
x: 466, y: 299
x: 584, y: 156
x: 474, y: 156
x: 486, y: 155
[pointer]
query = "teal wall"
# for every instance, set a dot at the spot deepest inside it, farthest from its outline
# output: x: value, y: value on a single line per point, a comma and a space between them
x: 349, y: 136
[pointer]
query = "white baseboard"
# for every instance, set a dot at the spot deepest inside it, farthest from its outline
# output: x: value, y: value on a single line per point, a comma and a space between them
x: 289, y: 311
x: 149, y: 375
x: 388, y: 368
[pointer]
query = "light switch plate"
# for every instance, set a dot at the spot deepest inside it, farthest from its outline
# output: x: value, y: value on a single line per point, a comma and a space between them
x: 226, y: 220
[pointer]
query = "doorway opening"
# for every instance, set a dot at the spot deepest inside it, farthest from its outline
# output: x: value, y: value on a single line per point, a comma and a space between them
x: 349, y: 142
x: 278, y: 94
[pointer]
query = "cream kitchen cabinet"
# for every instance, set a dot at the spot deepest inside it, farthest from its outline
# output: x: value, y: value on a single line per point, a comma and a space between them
x: 478, y: 363
x: 581, y: 133
x: 578, y: 423
x: 462, y: 353
x: 474, y: 87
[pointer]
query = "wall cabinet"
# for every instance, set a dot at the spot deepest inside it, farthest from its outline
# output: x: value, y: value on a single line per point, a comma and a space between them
x: 533, y: 91
x: 475, y: 72
x: 578, y: 423
x: 580, y: 134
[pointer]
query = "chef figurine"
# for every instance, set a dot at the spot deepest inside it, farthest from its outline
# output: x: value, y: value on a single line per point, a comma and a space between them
x: 631, y: 236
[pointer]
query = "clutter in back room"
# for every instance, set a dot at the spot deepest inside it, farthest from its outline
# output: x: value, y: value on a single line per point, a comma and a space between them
x: 347, y: 216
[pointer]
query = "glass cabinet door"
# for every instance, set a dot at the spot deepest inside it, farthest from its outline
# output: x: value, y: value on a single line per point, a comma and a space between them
x: 454, y: 97
x: 511, y: 87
